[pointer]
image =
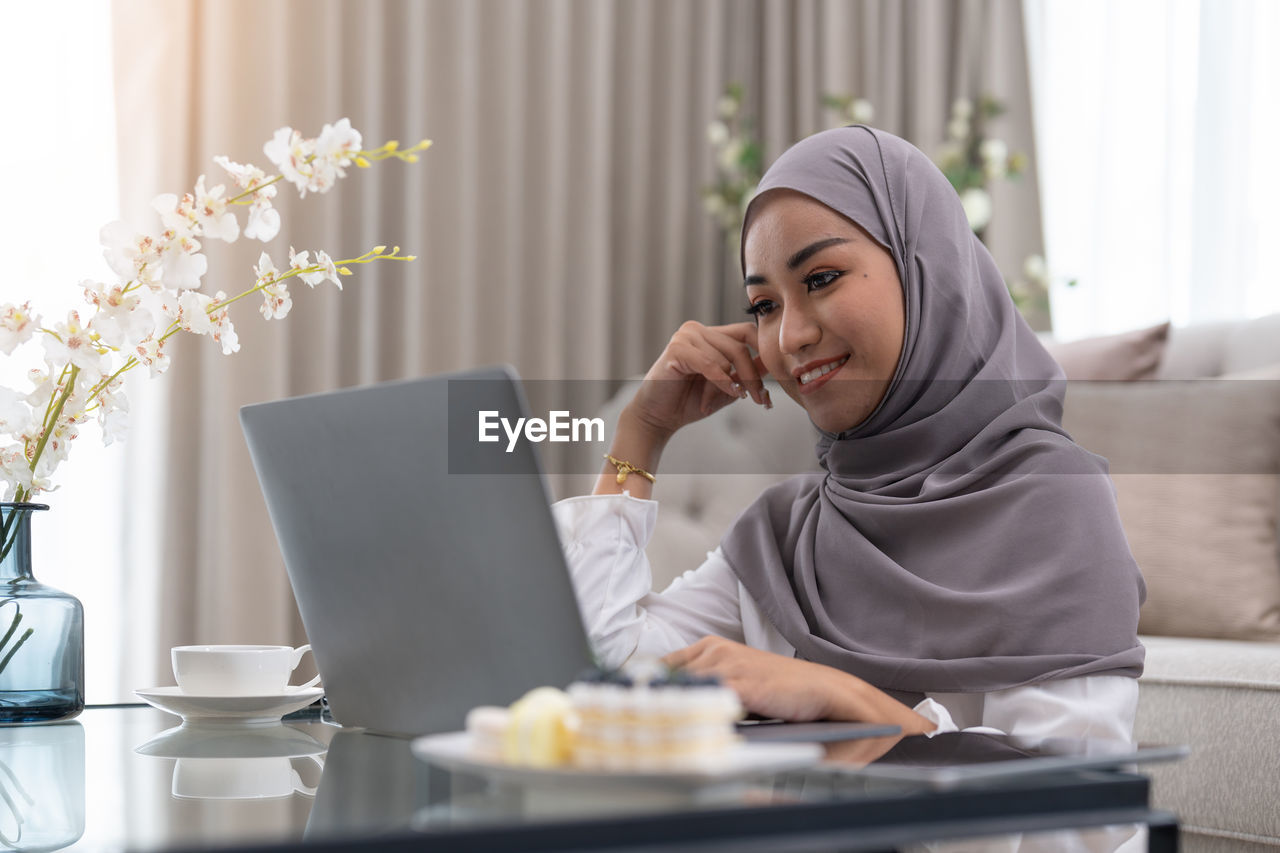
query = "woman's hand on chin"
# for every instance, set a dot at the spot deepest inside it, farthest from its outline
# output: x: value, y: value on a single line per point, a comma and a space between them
x: 791, y: 689
x: 702, y: 370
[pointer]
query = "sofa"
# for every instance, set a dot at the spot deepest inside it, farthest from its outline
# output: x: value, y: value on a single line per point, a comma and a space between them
x: 1197, y: 471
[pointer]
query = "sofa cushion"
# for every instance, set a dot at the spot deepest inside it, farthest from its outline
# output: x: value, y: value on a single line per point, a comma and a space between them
x: 1131, y: 355
x: 1212, y: 349
x: 1218, y: 697
x: 1196, y: 466
x: 1212, y: 663
x: 1252, y: 345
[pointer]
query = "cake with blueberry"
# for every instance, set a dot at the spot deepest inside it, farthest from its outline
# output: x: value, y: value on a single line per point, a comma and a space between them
x: 644, y: 719
x: 665, y: 721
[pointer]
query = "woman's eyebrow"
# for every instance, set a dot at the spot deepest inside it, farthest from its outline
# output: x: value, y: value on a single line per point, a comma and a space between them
x: 812, y: 249
x: 799, y: 257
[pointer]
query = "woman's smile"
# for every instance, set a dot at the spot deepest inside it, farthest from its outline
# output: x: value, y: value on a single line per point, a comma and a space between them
x: 815, y: 374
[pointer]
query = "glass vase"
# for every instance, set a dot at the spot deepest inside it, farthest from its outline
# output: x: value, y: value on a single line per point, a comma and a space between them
x: 41, y: 632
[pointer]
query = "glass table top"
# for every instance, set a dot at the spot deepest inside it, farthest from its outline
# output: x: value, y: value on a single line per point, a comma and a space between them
x: 135, y: 778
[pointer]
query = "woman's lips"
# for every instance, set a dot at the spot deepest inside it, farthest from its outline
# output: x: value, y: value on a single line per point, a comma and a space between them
x: 815, y: 376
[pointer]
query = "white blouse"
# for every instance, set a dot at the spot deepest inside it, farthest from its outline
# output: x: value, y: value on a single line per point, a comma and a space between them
x: 604, y: 538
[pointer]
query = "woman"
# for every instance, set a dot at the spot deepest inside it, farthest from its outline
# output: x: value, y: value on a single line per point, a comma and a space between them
x: 959, y: 561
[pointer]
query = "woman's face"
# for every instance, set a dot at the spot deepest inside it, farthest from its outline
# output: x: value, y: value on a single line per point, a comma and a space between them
x: 828, y: 306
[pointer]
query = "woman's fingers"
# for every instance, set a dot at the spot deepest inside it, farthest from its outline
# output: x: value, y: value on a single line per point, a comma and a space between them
x: 733, y: 342
x: 737, y: 341
x: 745, y: 332
x: 693, y: 354
x: 679, y: 658
x: 702, y: 370
x: 767, y: 684
x: 728, y: 348
x: 687, y: 657
x: 707, y: 401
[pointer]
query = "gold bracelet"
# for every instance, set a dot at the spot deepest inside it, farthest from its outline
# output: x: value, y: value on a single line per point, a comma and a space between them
x: 625, y: 468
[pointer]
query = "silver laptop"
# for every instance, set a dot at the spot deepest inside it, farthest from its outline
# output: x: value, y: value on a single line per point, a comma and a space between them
x: 426, y: 564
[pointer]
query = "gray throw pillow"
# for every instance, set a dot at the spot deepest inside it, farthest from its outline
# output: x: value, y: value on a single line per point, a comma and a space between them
x: 1131, y: 355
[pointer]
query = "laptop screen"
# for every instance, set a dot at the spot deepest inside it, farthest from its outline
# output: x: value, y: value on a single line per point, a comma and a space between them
x: 426, y: 564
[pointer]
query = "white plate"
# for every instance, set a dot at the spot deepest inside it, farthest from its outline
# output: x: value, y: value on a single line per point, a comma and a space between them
x: 242, y: 710
x: 453, y: 751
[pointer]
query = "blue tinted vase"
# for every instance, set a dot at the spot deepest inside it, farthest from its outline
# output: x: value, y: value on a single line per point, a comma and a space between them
x: 41, y: 632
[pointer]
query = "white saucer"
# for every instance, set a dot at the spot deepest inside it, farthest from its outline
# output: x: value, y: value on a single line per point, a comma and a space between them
x: 200, y: 741
x: 240, y: 710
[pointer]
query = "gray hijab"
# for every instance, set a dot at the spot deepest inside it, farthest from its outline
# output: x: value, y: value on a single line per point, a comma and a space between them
x: 957, y: 540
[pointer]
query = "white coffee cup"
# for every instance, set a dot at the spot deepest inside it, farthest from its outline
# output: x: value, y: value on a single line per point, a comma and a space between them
x: 237, y: 670
x: 238, y: 778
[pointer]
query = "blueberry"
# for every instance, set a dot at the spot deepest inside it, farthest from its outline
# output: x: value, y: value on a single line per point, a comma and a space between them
x: 684, y: 678
x: 598, y: 675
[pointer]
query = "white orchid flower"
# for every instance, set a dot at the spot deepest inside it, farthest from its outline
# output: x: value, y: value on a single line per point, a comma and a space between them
x: 861, y: 111
x: 72, y: 343
x: 150, y: 352
x: 264, y: 221
x: 15, y: 411
x: 338, y: 144
x: 977, y: 207
x: 17, y: 325
x: 330, y: 273
x: 994, y: 151
x: 131, y: 255
x: 292, y: 155
x: 212, y: 215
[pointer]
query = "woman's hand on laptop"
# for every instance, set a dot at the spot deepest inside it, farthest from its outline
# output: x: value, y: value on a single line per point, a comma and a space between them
x: 791, y: 689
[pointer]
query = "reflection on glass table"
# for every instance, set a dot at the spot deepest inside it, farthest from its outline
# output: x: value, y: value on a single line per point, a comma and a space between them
x: 573, y: 790
x: 154, y: 785
x: 222, y: 762
x: 966, y: 758
x: 42, y: 783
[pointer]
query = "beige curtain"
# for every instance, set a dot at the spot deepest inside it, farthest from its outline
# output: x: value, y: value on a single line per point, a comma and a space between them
x: 557, y: 219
